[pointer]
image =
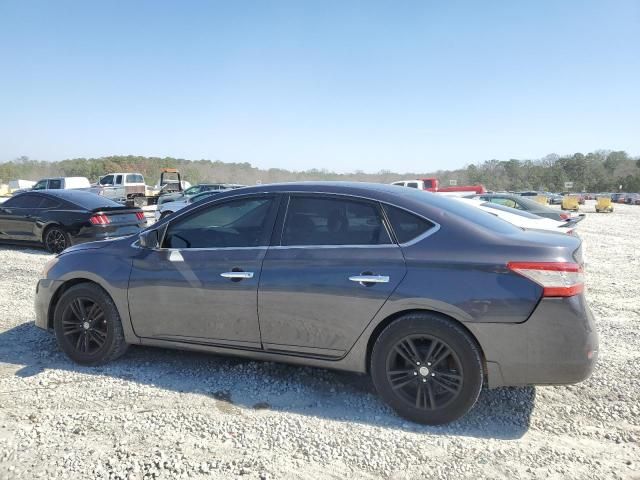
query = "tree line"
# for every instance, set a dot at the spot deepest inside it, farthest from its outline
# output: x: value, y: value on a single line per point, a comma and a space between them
x: 599, y: 171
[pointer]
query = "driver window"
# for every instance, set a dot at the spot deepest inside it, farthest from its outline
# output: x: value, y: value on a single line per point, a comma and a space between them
x: 106, y: 180
x: 237, y: 223
x: 41, y: 185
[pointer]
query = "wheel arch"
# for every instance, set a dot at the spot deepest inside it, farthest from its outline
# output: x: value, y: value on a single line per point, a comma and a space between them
x: 61, y: 291
x: 50, y: 224
x: 379, y: 328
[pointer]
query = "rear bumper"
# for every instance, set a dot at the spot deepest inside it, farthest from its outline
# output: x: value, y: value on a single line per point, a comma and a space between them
x: 558, y: 344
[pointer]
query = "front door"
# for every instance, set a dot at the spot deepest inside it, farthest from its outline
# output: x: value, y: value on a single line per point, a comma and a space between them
x: 333, y: 268
x: 202, y: 285
x: 17, y: 217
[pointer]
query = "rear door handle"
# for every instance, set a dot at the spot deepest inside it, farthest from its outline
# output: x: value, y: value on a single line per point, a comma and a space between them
x: 370, y: 278
x: 237, y: 275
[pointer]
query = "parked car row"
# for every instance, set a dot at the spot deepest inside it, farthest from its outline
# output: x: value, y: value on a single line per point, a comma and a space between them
x: 58, y: 219
x: 433, y: 297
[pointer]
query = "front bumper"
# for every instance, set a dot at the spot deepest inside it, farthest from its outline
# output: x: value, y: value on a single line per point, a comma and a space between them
x: 557, y: 345
x: 45, y: 289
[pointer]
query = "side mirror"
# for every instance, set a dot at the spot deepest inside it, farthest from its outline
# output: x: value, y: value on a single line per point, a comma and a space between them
x: 149, y: 239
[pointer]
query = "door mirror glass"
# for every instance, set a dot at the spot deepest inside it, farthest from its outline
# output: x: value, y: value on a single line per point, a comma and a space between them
x: 149, y: 239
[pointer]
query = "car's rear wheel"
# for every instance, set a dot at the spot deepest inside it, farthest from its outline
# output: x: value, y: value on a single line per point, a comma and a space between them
x: 427, y: 368
x: 87, y: 325
x: 56, y: 239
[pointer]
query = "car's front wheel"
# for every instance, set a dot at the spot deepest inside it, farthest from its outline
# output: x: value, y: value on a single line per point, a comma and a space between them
x: 165, y: 214
x: 87, y: 325
x: 427, y: 368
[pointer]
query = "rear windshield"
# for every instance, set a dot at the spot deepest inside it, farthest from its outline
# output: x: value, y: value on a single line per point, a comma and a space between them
x: 460, y: 209
x: 87, y: 200
x: 531, y: 204
x: 134, y: 178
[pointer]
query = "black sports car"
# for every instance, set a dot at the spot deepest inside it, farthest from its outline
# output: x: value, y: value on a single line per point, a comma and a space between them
x: 61, y: 218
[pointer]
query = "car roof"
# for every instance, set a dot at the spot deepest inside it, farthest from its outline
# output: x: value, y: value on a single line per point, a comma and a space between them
x: 77, y: 197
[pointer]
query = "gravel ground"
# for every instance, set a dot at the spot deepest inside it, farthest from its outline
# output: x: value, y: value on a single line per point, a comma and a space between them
x: 168, y: 414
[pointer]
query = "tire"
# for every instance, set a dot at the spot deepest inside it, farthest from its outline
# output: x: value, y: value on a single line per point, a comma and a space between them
x: 165, y: 214
x: 87, y: 325
x: 55, y: 239
x: 410, y: 384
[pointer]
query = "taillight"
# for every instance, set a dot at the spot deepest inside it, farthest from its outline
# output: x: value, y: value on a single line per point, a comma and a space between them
x: 558, y: 279
x: 100, y: 219
x: 565, y: 216
x: 140, y: 215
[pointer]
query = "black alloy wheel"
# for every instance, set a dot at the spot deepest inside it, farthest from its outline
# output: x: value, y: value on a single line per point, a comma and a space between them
x: 427, y: 367
x: 425, y: 372
x: 56, y: 240
x: 87, y: 325
x: 84, y: 325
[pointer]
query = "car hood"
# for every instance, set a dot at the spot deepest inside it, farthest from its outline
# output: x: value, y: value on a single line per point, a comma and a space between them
x: 177, y: 204
x: 91, y: 245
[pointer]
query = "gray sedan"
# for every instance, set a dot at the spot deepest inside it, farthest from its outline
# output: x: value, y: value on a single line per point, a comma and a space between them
x: 428, y: 296
x: 526, y: 204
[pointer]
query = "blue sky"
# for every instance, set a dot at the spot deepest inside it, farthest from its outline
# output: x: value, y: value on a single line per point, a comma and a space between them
x: 342, y: 85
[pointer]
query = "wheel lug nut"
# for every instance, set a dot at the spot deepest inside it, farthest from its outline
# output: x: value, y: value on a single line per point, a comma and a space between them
x: 415, y: 373
x: 417, y: 363
x: 424, y: 380
x: 433, y: 374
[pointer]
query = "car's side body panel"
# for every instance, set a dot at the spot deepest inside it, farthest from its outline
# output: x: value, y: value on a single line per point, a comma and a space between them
x: 458, y: 271
x: 307, y: 302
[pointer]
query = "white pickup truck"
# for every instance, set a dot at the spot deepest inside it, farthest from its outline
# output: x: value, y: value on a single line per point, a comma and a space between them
x: 130, y: 188
x: 120, y: 187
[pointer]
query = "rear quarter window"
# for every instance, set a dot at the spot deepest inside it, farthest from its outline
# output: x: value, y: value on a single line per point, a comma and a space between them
x: 407, y: 226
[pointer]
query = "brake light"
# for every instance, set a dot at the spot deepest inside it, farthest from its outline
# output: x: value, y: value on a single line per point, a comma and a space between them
x: 565, y: 216
x: 100, y: 219
x: 140, y: 215
x: 558, y: 279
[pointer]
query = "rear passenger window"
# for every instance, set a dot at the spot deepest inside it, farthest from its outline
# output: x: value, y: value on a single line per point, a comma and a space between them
x: 48, y: 203
x: 407, y: 226
x: 333, y: 221
x: 412, y: 184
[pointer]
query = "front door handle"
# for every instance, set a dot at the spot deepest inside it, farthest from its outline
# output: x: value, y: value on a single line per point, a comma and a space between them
x: 370, y: 278
x: 237, y: 275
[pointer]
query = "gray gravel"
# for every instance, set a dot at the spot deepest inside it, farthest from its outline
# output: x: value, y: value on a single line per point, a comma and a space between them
x: 169, y: 414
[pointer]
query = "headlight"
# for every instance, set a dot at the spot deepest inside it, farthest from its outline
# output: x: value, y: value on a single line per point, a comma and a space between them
x: 48, y: 266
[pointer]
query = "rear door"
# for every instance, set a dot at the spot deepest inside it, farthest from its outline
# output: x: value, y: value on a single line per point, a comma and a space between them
x: 331, y: 269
